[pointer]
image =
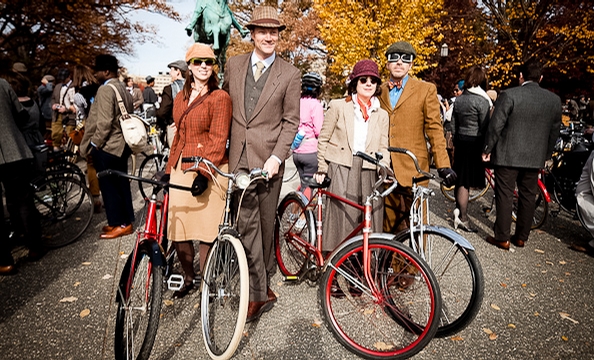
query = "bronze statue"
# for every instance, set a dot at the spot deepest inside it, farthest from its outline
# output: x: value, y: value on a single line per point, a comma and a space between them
x: 211, y: 24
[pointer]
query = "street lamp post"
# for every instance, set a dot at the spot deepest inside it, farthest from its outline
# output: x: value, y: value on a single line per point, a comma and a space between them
x: 443, y: 54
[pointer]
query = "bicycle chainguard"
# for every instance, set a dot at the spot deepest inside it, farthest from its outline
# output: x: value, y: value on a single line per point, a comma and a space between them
x: 175, y: 282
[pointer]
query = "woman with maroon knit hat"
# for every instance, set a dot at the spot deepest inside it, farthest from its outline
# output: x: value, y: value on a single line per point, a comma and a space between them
x: 356, y: 123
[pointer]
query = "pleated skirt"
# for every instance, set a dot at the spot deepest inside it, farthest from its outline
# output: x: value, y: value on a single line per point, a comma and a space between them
x: 354, y: 184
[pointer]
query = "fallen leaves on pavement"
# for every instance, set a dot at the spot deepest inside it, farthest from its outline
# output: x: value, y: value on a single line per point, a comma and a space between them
x: 565, y: 315
x: 85, y: 313
x: 68, y: 299
x: 495, y: 307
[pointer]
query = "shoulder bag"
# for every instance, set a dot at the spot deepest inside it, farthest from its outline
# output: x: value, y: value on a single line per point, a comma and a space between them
x: 133, y: 127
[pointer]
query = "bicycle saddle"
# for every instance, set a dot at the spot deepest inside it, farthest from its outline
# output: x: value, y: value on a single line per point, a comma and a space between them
x: 312, y: 183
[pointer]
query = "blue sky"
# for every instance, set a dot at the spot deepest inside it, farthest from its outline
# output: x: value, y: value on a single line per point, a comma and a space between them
x: 151, y: 58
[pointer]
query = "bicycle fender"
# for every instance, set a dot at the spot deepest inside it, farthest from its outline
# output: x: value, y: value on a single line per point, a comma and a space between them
x: 157, y: 257
x: 299, y: 194
x: 358, y: 238
x: 458, y: 239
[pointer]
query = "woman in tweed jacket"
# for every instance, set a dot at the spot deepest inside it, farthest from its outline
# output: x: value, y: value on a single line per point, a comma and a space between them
x: 202, y: 115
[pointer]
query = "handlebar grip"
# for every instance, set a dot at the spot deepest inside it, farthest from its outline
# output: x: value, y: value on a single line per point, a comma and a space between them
x: 191, y: 159
x: 103, y: 173
x: 366, y: 157
x: 398, y: 150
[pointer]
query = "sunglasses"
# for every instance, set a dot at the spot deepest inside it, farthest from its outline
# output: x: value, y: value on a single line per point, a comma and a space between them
x: 365, y: 79
x: 199, y: 61
x: 406, y: 58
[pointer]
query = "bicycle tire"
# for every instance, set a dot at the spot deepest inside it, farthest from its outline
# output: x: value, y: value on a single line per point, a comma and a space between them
x: 65, y: 168
x: 225, y: 297
x: 293, y: 220
x: 148, y: 169
x: 541, y: 209
x: 65, y: 207
x: 415, y: 306
x: 473, y: 193
x: 139, y: 307
x: 460, y: 277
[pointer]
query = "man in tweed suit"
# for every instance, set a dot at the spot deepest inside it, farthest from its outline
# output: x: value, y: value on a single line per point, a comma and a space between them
x: 265, y: 91
x: 104, y: 141
x: 521, y: 135
x: 413, y: 107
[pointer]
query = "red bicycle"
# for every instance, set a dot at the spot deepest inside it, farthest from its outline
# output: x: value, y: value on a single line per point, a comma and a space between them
x: 380, y: 298
x: 224, y: 285
x: 543, y: 198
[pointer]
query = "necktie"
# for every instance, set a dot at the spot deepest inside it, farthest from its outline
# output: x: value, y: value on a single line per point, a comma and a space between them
x: 397, y: 84
x: 259, y: 68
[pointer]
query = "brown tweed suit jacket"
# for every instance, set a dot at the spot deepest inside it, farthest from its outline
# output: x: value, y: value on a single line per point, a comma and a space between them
x: 415, y: 115
x: 274, y: 121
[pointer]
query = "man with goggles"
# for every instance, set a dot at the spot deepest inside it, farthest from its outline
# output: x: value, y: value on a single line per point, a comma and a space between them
x: 414, y: 112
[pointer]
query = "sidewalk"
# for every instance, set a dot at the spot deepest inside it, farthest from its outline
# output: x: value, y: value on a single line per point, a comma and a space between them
x: 537, y: 303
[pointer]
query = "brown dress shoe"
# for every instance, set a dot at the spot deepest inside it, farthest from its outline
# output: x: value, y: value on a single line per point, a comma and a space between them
x: 117, y: 231
x: 517, y: 242
x: 107, y: 228
x: 271, y: 296
x: 500, y: 244
x: 7, y: 270
x: 257, y: 308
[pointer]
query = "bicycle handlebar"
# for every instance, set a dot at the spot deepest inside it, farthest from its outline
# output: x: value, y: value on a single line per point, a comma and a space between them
x: 162, y: 184
x: 238, y: 179
x: 426, y: 175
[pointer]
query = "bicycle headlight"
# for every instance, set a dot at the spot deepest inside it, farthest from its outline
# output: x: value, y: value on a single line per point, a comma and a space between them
x: 242, y: 180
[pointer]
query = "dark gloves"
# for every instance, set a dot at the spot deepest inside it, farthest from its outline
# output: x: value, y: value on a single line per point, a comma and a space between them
x: 189, y: 32
x: 448, y: 175
x: 199, y: 185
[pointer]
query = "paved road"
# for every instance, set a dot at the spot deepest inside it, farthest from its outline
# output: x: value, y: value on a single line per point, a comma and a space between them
x: 526, y: 290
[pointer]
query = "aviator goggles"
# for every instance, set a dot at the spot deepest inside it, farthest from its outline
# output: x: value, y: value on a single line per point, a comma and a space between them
x: 199, y: 61
x: 406, y: 58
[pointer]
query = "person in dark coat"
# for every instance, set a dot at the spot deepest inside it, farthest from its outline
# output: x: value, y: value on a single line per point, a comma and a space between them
x: 44, y: 94
x: 177, y: 71
x: 521, y: 136
x: 16, y: 171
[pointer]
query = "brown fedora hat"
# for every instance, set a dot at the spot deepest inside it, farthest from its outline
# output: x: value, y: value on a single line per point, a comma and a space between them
x: 265, y: 16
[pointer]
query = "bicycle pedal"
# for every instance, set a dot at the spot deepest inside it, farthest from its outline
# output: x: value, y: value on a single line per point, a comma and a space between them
x: 175, y: 282
x: 291, y: 279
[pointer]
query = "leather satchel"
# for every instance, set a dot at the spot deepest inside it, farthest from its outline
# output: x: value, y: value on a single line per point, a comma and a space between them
x: 133, y: 126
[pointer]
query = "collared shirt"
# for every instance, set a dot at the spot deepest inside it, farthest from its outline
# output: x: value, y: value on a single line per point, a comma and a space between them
x: 360, y: 125
x: 267, y: 62
x: 395, y: 92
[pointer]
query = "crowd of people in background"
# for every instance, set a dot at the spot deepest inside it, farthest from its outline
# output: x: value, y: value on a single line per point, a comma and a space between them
x: 251, y: 123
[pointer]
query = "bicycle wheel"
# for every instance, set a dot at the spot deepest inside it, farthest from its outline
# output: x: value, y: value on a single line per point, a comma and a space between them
x: 293, y: 221
x: 148, y: 169
x: 139, y: 298
x: 65, y: 168
x: 473, y: 193
x: 541, y: 209
x: 460, y: 277
x: 65, y: 206
x: 401, y: 321
x: 225, y: 296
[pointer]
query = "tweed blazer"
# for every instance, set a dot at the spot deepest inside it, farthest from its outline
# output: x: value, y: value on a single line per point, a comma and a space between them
x: 336, y: 140
x: 524, y: 127
x: 415, y: 116
x: 102, y: 127
x: 275, y: 119
x: 203, y: 131
x: 13, y: 116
